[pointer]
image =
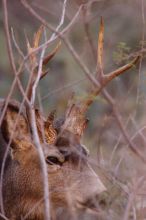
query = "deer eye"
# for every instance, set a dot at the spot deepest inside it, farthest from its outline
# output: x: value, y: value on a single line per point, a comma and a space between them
x: 53, y: 160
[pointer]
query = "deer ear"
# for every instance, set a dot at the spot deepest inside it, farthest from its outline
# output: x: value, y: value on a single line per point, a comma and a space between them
x: 14, y: 126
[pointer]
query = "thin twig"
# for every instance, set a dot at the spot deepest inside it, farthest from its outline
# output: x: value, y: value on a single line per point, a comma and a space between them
x: 132, y: 196
x: 4, y: 217
x: 16, y: 45
x: 61, y: 19
x: 9, y: 47
x: 87, y: 31
x: 126, y: 136
x: 32, y: 120
x: 62, y: 88
x: 142, y: 47
x: 118, y: 141
x: 138, y: 132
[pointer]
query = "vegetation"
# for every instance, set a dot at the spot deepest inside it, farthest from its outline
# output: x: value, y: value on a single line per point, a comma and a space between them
x: 115, y: 134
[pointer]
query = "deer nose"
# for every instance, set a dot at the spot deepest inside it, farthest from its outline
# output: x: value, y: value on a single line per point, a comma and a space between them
x: 94, y: 204
x: 96, y: 185
x: 91, y: 194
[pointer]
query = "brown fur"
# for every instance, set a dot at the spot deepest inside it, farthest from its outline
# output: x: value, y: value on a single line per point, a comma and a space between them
x: 71, y: 179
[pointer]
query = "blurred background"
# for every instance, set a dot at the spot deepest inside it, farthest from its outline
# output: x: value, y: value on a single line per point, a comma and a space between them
x: 125, y: 31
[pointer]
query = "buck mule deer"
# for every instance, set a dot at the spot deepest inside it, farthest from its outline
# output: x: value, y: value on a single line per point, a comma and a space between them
x: 72, y: 181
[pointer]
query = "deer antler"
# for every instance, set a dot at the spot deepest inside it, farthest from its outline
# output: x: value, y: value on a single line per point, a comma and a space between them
x: 33, y: 59
x: 75, y: 120
x: 47, y: 125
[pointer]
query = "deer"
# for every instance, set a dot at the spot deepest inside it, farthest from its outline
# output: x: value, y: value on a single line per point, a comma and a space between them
x: 72, y: 183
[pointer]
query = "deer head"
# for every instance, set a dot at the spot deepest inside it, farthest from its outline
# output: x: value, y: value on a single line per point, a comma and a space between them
x: 72, y: 181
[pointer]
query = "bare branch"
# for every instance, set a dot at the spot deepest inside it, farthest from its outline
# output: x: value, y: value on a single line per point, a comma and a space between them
x: 32, y: 122
x: 142, y: 47
x: 61, y: 19
x: 4, y: 217
x: 9, y: 47
x: 16, y: 44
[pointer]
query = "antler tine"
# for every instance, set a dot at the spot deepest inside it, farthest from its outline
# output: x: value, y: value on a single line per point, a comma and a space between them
x: 106, y: 79
x: 121, y: 70
x: 101, y: 77
x: 99, y: 66
x: 52, y: 54
x: 44, y: 72
x: 75, y: 120
x: 34, y: 78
